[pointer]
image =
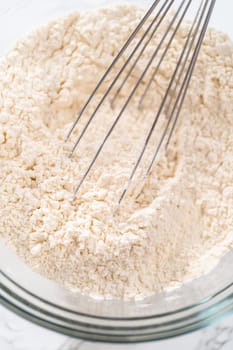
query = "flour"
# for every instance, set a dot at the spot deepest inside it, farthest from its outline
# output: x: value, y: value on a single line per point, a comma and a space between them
x: 180, y: 225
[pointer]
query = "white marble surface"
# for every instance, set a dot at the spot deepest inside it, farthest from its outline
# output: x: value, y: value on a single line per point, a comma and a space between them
x: 18, y: 334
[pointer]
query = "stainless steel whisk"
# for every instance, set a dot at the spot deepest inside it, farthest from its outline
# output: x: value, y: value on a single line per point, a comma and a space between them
x: 175, y: 93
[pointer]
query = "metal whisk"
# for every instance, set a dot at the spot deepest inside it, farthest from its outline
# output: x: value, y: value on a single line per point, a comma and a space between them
x: 175, y: 93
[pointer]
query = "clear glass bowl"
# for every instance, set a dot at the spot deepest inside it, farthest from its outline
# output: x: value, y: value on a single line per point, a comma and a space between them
x: 28, y: 294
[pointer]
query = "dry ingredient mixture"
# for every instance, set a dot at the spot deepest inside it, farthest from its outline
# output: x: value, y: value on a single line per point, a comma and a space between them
x: 181, y: 223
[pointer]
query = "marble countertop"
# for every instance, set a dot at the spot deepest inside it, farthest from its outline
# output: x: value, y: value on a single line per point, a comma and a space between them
x: 18, y: 334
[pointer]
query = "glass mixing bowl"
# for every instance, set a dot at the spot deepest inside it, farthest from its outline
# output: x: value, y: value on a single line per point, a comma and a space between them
x: 194, y: 305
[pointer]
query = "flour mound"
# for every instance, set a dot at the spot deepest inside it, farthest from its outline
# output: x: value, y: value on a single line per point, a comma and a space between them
x: 179, y: 225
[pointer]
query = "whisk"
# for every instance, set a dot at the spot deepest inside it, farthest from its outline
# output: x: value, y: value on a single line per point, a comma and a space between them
x: 178, y: 84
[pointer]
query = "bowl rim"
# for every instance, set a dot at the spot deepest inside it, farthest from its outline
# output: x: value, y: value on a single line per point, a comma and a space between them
x: 114, y: 329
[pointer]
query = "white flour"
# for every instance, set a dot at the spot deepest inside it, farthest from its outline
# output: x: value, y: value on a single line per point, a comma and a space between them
x: 181, y: 224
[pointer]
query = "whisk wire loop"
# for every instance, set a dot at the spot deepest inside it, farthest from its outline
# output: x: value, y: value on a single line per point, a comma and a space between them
x: 106, y: 94
x: 178, y: 84
x: 109, y: 69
